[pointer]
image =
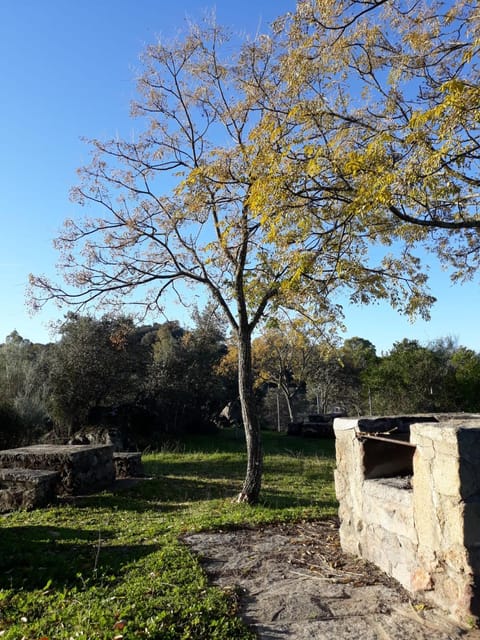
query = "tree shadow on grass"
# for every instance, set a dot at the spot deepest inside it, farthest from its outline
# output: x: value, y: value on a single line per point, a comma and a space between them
x: 174, y: 492
x: 34, y: 556
x: 164, y: 494
x: 273, y: 499
x: 323, y: 473
x: 171, y: 490
x: 205, y: 468
x: 173, y: 484
x: 233, y: 441
x: 232, y: 471
x: 194, y: 481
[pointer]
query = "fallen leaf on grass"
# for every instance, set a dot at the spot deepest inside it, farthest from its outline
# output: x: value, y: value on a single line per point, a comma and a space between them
x: 121, y: 624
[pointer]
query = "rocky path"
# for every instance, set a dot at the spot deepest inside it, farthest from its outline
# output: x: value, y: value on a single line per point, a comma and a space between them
x: 295, y: 582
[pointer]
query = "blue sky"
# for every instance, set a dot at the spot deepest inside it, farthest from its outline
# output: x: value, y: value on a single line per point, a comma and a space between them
x: 68, y: 71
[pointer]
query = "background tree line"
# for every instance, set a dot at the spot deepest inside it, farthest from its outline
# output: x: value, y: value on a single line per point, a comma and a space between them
x: 307, y: 376
x: 155, y: 382
x: 149, y: 382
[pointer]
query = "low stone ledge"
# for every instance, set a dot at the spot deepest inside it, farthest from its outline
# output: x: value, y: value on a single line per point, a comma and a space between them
x: 128, y: 464
x: 26, y: 488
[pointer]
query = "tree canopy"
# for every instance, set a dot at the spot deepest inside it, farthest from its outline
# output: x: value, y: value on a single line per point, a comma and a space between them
x: 281, y: 171
x: 93, y: 364
x: 388, y: 113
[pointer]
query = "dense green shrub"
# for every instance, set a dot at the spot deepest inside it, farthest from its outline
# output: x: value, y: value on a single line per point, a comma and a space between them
x: 11, y: 427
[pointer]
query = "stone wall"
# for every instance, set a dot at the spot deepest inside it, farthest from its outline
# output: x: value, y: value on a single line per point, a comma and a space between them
x: 423, y: 530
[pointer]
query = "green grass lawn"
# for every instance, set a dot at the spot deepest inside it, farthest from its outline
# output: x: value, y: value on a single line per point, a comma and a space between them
x: 113, y: 566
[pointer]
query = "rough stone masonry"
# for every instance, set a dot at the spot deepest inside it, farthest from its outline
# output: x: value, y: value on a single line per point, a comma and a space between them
x: 412, y: 506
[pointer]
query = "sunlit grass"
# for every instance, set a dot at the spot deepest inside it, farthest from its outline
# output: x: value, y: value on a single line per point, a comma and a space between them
x: 113, y: 564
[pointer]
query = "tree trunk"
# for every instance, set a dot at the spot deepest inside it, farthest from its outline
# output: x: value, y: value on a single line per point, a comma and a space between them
x: 288, y: 400
x: 253, y: 478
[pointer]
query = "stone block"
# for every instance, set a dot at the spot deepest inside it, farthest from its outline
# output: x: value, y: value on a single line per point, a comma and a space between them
x: 451, y: 521
x: 425, y: 512
x: 446, y: 475
x: 81, y: 468
x: 378, y: 546
x: 394, y: 554
x: 421, y: 580
x: 349, y: 541
x: 345, y: 424
x: 403, y: 571
x: 441, y: 434
x: 26, y: 488
x: 453, y: 591
x: 341, y: 486
x: 456, y: 559
x: 389, y: 508
x: 128, y: 464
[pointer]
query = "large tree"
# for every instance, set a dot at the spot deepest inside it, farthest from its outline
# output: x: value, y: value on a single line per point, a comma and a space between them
x: 411, y: 378
x: 201, y: 195
x: 24, y: 382
x: 284, y: 357
x: 183, y: 379
x: 466, y: 365
x: 96, y: 363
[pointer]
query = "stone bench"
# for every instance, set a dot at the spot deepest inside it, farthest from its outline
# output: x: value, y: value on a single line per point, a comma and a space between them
x: 26, y: 488
x: 81, y: 468
x: 128, y: 464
